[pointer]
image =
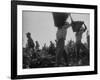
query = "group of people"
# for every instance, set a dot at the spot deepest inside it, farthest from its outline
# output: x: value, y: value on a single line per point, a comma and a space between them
x: 61, y: 36
x: 34, y: 57
x: 56, y: 53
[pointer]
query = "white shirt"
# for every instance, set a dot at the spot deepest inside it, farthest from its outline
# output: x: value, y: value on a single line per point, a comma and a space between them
x: 61, y: 33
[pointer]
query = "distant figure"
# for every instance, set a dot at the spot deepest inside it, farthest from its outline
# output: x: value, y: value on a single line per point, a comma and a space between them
x: 55, y: 43
x: 52, y: 48
x: 44, y: 47
x: 37, y: 45
x: 52, y: 44
x: 30, y: 42
x: 61, y: 37
x: 79, y: 44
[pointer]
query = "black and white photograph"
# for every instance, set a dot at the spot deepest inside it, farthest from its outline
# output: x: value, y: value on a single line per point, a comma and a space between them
x: 53, y: 39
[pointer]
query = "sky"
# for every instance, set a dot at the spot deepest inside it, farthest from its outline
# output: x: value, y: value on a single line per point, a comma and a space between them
x: 42, y: 28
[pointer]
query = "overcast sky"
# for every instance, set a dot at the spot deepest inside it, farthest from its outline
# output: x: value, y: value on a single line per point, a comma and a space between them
x: 42, y: 28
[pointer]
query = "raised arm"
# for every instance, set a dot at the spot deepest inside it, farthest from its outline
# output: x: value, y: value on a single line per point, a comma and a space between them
x: 85, y: 27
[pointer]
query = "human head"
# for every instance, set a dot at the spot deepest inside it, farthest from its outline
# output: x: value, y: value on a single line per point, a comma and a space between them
x: 66, y: 25
x: 28, y: 34
x: 36, y: 41
x: 81, y: 29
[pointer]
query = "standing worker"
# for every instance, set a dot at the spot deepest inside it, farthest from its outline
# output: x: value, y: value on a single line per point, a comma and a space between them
x: 61, y: 37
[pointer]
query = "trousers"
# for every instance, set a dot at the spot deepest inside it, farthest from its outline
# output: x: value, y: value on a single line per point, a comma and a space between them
x: 60, y: 52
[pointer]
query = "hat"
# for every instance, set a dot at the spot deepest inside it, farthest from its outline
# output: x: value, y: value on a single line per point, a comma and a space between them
x: 28, y: 33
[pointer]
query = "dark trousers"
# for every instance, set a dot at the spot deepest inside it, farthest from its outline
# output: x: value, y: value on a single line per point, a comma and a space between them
x: 79, y: 46
x: 60, y: 52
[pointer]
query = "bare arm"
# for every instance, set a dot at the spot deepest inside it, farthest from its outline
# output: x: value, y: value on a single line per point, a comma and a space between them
x: 85, y: 27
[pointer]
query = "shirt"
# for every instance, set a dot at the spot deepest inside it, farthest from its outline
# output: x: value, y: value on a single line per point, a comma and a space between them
x: 30, y: 43
x: 61, y: 33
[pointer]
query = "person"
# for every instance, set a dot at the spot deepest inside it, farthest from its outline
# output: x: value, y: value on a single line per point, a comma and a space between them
x: 44, y: 47
x: 79, y: 44
x: 52, y: 48
x: 37, y: 45
x: 61, y: 37
x: 55, y: 43
x: 30, y: 46
x: 30, y: 42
